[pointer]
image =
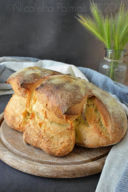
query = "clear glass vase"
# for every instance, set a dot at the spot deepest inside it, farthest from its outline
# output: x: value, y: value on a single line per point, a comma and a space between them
x: 113, y: 65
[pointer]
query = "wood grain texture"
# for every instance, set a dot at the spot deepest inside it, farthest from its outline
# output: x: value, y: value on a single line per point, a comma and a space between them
x: 81, y: 162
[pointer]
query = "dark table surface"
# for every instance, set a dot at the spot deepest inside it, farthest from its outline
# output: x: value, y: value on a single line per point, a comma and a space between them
x: 12, y: 180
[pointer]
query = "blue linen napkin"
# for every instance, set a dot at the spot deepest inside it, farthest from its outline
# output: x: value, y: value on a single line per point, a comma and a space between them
x: 122, y: 185
x: 105, y: 83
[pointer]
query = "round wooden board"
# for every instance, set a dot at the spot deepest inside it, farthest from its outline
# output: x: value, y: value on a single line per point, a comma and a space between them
x: 81, y: 162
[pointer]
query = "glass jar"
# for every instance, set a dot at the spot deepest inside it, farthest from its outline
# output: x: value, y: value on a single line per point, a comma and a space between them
x: 113, y: 65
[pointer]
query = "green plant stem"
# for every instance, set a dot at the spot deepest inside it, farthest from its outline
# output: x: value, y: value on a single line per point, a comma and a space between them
x: 114, y: 64
x: 111, y: 74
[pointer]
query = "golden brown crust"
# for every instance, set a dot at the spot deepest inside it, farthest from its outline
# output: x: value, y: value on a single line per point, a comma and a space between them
x: 24, y: 80
x: 112, y: 120
x: 118, y: 119
x: 57, y: 139
x: 14, y: 112
x: 24, y: 83
x: 61, y: 93
x: 65, y: 96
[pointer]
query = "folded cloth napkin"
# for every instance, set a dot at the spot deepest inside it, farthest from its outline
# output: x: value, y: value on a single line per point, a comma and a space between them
x: 114, y: 177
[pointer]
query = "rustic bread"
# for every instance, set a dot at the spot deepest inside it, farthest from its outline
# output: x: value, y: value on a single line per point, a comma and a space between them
x: 64, y: 110
x: 23, y: 83
x: 14, y: 113
x: 28, y: 78
x: 56, y: 103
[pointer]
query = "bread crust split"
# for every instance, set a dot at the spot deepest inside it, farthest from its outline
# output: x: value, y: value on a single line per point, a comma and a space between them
x: 56, y: 111
x: 28, y: 78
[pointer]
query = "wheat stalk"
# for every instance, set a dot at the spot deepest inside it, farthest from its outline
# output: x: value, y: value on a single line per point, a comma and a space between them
x: 111, y: 30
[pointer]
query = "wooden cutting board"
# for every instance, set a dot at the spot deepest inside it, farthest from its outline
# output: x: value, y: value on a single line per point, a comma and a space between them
x: 80, y: 162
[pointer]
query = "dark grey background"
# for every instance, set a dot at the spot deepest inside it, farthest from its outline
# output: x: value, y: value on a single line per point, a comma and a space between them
x: 48, y: 29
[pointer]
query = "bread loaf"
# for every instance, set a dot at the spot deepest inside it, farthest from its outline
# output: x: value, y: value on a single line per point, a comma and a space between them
x: 23, y: 83
x: 56, y: 111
